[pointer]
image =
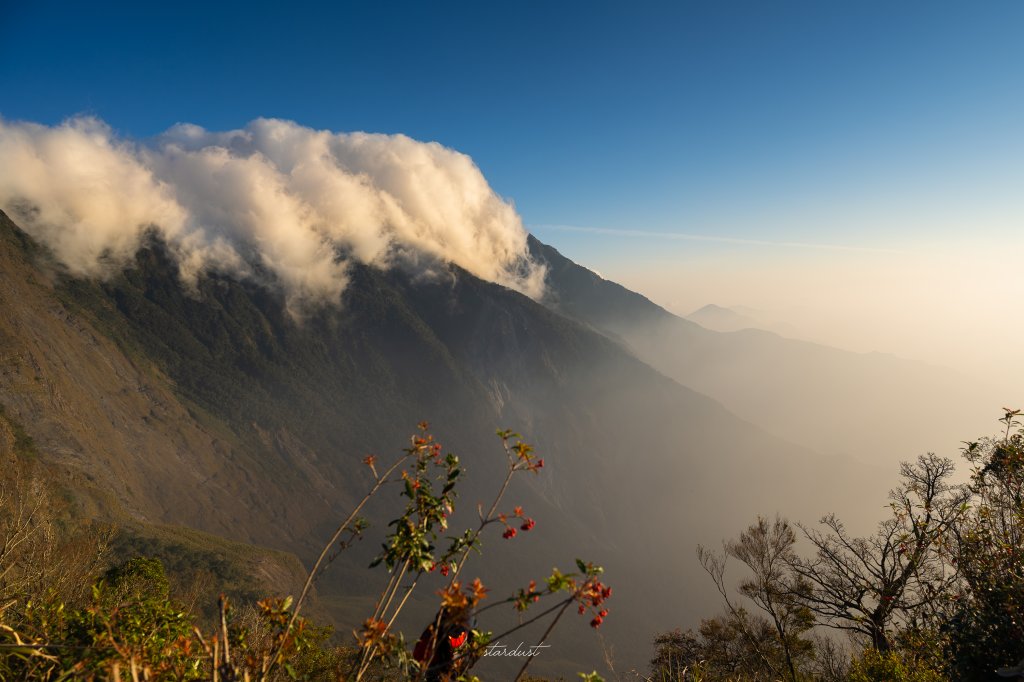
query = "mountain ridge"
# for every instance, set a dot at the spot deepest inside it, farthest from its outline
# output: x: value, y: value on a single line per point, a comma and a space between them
x: 876, y: 407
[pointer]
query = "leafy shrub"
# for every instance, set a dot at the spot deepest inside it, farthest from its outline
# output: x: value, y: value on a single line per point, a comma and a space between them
x: 131, y: 627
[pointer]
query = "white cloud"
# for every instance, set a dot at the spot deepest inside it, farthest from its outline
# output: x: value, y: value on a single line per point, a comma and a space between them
x: 297, y: 202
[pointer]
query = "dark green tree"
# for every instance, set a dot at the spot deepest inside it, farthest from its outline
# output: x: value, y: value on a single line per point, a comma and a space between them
x: 987, y: 630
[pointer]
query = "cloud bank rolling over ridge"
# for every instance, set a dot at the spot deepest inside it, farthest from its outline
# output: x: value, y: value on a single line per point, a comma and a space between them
x: 273, y: 196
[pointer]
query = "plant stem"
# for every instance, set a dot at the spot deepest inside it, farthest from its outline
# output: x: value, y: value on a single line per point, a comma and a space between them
x: 327, y: 547
x: 522, y: 625
x: 543, y: 638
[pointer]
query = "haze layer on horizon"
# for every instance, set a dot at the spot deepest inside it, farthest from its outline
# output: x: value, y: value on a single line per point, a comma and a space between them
x: 951, y: 302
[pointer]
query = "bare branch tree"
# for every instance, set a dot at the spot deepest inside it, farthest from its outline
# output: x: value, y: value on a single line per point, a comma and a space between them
x: 767, y: 550
x: 39, y: 553
x: 898, y: 575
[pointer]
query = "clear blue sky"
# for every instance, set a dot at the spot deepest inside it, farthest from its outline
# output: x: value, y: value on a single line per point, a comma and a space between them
x: 746, y: 119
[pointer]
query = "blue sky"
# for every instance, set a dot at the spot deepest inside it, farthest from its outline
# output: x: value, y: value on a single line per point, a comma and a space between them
x: 880, y: 125
x: 651, y: 116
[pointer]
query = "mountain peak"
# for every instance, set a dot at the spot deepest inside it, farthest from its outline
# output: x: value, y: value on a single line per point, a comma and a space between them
x: 721, y: 319
x: 712, y: 308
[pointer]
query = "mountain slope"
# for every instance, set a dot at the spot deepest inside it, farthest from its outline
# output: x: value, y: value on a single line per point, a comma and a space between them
x: 216, y: 409
x: 116, y: 427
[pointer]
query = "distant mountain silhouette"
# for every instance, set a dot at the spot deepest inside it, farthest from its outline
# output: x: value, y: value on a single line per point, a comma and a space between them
x: 722, y: 319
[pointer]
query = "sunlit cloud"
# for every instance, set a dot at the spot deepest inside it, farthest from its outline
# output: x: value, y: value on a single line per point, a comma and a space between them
x: 275, y: 197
